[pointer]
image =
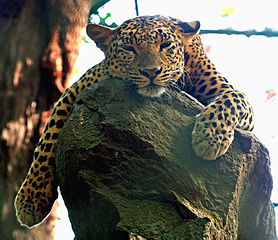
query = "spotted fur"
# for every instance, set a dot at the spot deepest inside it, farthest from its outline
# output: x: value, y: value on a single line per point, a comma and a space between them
x: 154, y: 53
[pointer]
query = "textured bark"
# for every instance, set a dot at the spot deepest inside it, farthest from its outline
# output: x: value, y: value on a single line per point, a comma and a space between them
x: 126, y: 169
x: 39, y: 42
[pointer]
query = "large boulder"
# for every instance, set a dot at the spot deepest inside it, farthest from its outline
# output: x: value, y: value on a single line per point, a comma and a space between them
x: 126, y: 170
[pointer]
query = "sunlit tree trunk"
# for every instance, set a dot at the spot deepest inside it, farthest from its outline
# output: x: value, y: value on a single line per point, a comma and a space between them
x: 39, y: 44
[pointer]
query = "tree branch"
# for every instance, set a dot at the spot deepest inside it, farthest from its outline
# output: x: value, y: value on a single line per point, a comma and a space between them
x: 268, y: 32
x: 96, y: 4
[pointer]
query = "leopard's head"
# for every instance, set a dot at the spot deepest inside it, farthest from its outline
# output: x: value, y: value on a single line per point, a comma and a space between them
x: 150, y: 50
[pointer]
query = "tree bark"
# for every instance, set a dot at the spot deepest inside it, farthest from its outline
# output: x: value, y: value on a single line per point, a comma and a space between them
x: 127, y: 170
x: 39, y: 42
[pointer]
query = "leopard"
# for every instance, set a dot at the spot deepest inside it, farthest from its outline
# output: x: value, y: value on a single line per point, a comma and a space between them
x: 152, y: 53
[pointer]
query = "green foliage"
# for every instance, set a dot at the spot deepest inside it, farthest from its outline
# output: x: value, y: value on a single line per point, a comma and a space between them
x: 226, y: 10
x: 102, y: 20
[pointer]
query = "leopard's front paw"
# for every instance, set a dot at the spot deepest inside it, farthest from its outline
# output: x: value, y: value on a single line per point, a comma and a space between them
x: 212, y: 135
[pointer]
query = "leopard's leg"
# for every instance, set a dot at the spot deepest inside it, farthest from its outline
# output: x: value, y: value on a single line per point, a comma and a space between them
x: 38, y: 192
x: 225, y: 108
x: 214, y: 128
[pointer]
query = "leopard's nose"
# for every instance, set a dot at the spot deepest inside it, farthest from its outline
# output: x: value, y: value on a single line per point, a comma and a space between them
x: 151, y: 73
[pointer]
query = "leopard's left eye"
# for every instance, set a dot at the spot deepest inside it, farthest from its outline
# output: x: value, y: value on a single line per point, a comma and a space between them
x: 129, y: 48
x: 165, y: 45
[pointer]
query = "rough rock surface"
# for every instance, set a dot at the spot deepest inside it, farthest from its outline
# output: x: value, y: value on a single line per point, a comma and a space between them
x: 127, y: 170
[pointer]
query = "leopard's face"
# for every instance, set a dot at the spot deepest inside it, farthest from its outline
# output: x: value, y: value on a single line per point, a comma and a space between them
x: 149, y: 51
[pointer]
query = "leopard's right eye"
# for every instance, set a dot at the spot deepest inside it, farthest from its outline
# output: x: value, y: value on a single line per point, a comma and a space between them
x: 165, y: 45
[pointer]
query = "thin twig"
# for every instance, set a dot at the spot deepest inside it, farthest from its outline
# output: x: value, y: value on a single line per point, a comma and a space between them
x: 136, y: 8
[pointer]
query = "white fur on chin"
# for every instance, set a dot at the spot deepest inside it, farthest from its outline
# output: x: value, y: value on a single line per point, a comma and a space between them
x: 151, y: 91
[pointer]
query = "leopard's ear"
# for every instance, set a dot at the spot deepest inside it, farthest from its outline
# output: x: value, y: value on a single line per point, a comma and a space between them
x: 102, y: 36
x: 189, y: 28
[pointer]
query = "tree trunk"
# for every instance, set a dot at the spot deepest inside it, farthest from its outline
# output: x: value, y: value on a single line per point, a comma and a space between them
x: 39, y: 42
x: 127, y: 170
